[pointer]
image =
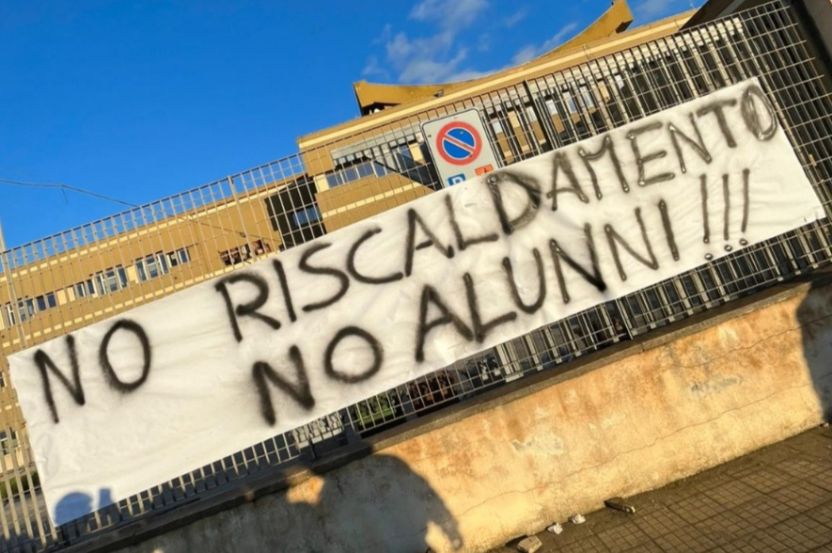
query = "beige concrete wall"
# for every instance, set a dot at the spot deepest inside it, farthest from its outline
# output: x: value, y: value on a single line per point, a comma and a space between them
x: 632, y: 421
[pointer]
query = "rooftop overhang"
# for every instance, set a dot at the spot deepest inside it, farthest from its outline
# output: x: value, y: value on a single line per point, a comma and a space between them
x: 565, y: 58
x: 372, y: 97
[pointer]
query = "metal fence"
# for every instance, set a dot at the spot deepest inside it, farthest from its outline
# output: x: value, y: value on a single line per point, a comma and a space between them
x: 148, y: 251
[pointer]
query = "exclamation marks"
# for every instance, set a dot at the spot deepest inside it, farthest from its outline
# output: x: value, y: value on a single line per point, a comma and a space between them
x: 668, y: 230
x: 703, y: 189
x: 726, y: 222
x: 726, y: 210
x: 746, y: 173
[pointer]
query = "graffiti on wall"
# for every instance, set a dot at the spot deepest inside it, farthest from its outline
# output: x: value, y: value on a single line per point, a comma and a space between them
x: 170, y: 386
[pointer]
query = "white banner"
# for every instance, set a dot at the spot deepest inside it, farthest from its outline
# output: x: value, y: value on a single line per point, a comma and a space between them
x: 167, y: 387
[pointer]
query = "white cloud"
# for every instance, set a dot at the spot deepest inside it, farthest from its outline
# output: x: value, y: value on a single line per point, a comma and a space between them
x: 434, y: 57
x: 531, y: 51
x: 467, y: 75
x: 427, y: 70
x: 423, y: 59
x: 515, y: 18
x: 439, y: 55
x: 524, y: 54
x: 648, y: 10
x: 484, y: 42
x: 384, y: 36
x: 451, y: 14
x: 374, y: 69
x: 565, y: 32
x: 652, y: 8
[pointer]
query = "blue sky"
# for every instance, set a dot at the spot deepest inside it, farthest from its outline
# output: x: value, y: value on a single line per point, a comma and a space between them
x: 138, y: 100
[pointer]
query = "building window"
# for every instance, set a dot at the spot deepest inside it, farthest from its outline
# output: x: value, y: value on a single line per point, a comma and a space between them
x: 305, y: 216
x: 355, y: 172
x: 586, y: 96
x: 152, y: 266
x: 46, y: 301
x: 178, y: 257
x: 111, y: 280
x: 26, y: 309
x: 364, y: 169
x: 160, y: 263
x: 334, y: 179
x: 260, y: 247
x: 569, y: 100
x: 405, y: 155
x: 350, y: 174
x: 245, y: 252
x: 84, y: 289
x: 234, y: 256
x: 103, y: 282
x: 11, y: 315
x: 297, y: 196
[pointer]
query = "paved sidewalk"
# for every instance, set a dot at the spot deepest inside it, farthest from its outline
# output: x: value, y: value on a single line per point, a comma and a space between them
x: 777, y: 499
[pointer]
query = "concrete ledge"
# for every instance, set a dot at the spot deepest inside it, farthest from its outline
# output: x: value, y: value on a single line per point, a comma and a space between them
x: 624, y: 420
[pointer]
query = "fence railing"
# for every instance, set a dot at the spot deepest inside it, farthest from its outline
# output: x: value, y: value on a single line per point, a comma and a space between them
x: 50, y: 287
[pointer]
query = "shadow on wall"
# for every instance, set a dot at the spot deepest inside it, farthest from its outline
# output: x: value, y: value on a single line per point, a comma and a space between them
x: 375, y: 504
x: 76, y: 504
x: 815, y: 318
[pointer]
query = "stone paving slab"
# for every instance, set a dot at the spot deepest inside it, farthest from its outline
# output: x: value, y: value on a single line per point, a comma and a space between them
x: 777, y: 499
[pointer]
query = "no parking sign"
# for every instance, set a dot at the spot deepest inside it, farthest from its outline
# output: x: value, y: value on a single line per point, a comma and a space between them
x: 459, y: 147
